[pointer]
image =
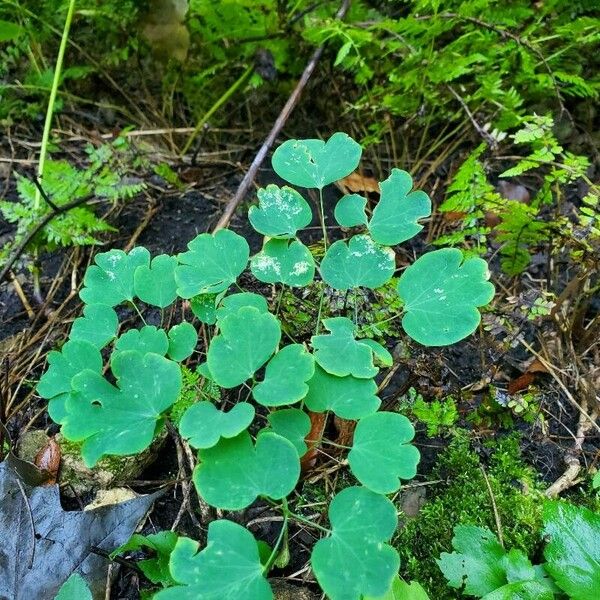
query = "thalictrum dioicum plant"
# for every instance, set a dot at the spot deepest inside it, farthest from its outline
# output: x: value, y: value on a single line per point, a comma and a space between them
x: 239, y: 458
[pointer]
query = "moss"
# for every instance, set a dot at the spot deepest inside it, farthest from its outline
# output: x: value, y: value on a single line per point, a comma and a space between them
x: 464, y: 498
x: 194, y: 388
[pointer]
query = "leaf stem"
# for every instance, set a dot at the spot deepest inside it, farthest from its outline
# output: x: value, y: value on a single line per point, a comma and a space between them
x: 137, y: 310
x: 301, y: 519
x: 273, y: 556
x: 322, y: 218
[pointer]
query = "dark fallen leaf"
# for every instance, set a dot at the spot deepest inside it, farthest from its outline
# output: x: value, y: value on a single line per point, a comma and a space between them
x: 28, y: 472
x: 42, y: 545
x: 526, y: 379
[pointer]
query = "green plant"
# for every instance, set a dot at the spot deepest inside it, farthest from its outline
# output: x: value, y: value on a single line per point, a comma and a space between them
x: 437, y: 414
x: 481, y: 567
x: 333, y: 372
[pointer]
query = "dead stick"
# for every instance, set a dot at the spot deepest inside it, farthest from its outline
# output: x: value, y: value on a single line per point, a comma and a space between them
x: 277, y: 127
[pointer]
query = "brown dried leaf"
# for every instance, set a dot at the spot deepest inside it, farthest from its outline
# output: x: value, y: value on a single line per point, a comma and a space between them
x: 313, y: 439
x: 48, y: 459
x: 355, y: 183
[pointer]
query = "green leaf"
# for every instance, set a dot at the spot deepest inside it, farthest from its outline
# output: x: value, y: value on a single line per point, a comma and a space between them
x: 521, y: 590
x: 441, y: 292
x: 98, y: 326
x: 155, y: 283
x: 315, y: 163
x: 355, y: 560
x: 121, y: 420
x: 293, y: 424
x: 402, y: 590
x: 203, y: 424
x: 350, y: 211
x: 182, y: 341
x: 162, y: 543
x: 144, y: 340
x: 280, y: 212
x: 212, y: 263
x: 285, y: 377
x: 339, y: 353
x: 110, y: 280
x: 232, y: 303
x: 9, y: 31
x: 55, y: 383
x: 204, y: 306
x: 232, y: 474
x: 573, y: 552
x: 361, y: 262
x: 395, y: 218
x: 285, y: 262
x: 380, y: 353
x: 476, y: 562
x: 348, y: 397
x: 247, y: 340
x: 74, y: 588
x: 229, y: 568
x: 381, y: 454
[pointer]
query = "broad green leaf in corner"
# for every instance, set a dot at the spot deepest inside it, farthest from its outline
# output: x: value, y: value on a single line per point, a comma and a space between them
x: 285, y: 377
x: 573, y: 552
x: 355, y: 560
x: 315, y: 163
x: 247, y: 340
x: 359, y: 263
x: 476, y: 562
x: 280, y: 213
x: 120, y: 420
x: 381, y: 454
x: 98, y: 326
x: 339, y: 353
x: 350, y: 210
x: 293, y: 424
x: 182, y: 341
x: 146, y: 339
x: 9, y: 31
x: 74, y: 588
x: 55, y: 383
x: 441, y: 293
x: 348, y: 397
x: 203, y: 424
x: 229, y: 568
x: 282, y: 261
x: 402, y: 590
x: 211, y: 264
x: 232, y: 474
x: 111, y: 280
x: 155, y: 283
x: 396, y: 217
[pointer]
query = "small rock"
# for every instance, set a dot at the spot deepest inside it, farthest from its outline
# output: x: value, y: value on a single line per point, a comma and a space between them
x: 113, y: 496
x: 287, y: 591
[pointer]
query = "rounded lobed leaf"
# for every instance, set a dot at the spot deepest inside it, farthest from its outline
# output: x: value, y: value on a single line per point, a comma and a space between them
x: 232, y: 474
x: 55, y: 383
x: 315, y: 163
x: 280, y: 261
x: 98, y: 326
x: 285, y: 377
x: 204, y: 306
x: 247, y: 340
x: 293, y: 424
x: 146, y: 339
x: 229, y: 568
x: 360, y: 263
x: 356, y: 561
x: 348, y: 397
x: 120, y: 420
x: 110, y: 280
x: 204, y: 425
x: 441, y: 292
x: 381, y: 454
x: 182, y: 341
x: 212, y: 263
x: 155, y: 283
x: 350, y: 210
x: 396, y: 217
x: 280, y: 213
x: 232, y: 303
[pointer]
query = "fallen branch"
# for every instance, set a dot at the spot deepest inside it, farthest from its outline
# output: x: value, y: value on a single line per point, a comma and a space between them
x: 276, y: 129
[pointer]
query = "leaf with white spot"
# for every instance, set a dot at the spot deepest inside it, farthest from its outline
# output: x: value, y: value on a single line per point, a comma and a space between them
x: 211, y: 264
x: 359, y: 263
x: 281, y: 211
x: 355, y: 560
x: 280, y: 261
x: 441, y: 292
x: 396, y: 217
x: 314, y: 163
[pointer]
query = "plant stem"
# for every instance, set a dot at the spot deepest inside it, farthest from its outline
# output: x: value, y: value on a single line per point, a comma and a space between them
x: 215, y: 107
x: 273, y: 556
x: 322, y: 217
x: 296, y: 517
